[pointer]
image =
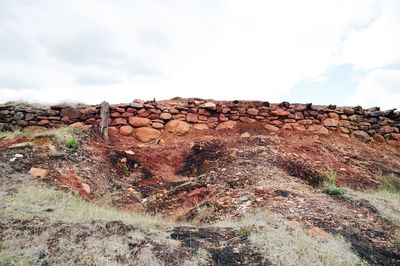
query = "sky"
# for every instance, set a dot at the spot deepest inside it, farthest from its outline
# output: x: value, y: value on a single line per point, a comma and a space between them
x: 321, y: 51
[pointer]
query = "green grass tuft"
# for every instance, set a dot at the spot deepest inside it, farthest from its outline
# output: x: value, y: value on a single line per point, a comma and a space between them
x: 329, y: 185
x: 72, y: 143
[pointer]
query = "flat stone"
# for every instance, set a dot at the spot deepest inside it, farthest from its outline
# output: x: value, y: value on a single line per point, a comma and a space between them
x: 38, y: 172
x: 271, y: 127
x: 226, y: 125
x: 71, y: 113
x: 165, y: 116
x: 139, y: 121
x: 200, y: 126
x: 157, y: 125
x: 330, y: 122
x: 77, y: 125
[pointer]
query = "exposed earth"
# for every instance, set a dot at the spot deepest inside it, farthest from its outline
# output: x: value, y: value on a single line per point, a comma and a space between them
x: 194, y: 184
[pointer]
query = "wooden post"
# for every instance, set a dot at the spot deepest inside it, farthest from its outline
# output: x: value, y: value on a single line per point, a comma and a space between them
x: 104, y: 111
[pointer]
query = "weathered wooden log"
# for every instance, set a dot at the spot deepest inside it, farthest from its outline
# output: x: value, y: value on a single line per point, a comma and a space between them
x: 104, y: 115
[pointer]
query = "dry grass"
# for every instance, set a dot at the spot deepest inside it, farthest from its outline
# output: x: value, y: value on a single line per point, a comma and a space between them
x: 32, y: 201
x: 283, y: 245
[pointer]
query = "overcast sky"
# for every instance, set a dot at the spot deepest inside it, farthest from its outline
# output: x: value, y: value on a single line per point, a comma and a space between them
x: 344, y: 52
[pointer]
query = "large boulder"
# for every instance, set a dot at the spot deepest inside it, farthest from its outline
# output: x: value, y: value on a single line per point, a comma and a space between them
x: 139, y: 121
x: 146, y: 134
x: 226, y: 125
x: 177, y: 127
x: 361, y: 135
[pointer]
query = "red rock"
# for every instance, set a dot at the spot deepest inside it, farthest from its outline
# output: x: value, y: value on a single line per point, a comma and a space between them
x: 305, y: 122
x: 139, y: 121
x: 333, y: 116
x: 209, y: 105
x: 77, y: 125
x: 271, y: 127
x: 386, y: 129
x: 29, y: 117
x: 115, y: 114
x: 192, y: 118
x: 147, y: 134
x: 43, y: 122
x: 378, y: 138
x: 165, y: 116
x: 394, y: 136
x: 226, y: 125
x: 252, y: 111
x: 71, y: 113
x: 298, y: 116
x: 200, y: 126
x: 279, y: 112
x: 86, y: 188
x: 276, y: 123
x: 89, y: 111
x: 38, y: 172
x: 126, y: 130
x: 157, y: 125
x: 330, y: 122
x: 177, y: 127
x: 300, y: 128
x: 318, y: 129
x: 361, y: 135
x: 120, y: 121
x: 246, y: 119
x: 112, y: 131
x: 344, y: 130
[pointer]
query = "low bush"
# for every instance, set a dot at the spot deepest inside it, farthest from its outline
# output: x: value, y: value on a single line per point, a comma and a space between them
x: 329, y: 184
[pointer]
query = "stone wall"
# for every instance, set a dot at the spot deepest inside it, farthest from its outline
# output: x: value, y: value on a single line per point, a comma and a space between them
x: 365, y: 124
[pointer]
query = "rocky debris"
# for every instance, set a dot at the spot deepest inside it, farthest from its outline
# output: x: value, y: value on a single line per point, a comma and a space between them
x: 147, y: 134
x: 38, y: 172
x: 177, y: 127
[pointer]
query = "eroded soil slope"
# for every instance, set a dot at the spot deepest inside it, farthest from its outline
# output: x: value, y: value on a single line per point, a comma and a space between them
x: 204, y: 177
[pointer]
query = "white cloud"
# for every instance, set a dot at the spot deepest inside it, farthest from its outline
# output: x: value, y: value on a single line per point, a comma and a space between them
x: 224, y: 49
x: 380, y: 87
x: 377, y: 43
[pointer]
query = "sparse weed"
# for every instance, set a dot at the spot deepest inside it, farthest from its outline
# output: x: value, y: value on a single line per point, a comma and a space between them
x: 275, y: 240
x: 390, y: 183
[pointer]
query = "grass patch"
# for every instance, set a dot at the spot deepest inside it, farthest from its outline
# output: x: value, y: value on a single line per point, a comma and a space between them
x: 72, y: 143
x: 31, y: 201
x: 283, y: 245
x: 329, y: 184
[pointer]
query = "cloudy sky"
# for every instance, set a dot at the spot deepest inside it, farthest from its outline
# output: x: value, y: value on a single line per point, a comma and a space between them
x: 321, y: 51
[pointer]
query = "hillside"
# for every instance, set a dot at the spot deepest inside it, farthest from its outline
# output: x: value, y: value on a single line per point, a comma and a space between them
x: 199, y: 182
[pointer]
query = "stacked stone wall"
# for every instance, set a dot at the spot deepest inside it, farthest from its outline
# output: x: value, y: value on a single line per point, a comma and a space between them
x: 365, y: 124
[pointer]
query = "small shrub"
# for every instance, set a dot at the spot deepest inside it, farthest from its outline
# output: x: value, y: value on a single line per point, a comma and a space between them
x: 72, y: 143
x: 329, y: 184
x: 245, y: 232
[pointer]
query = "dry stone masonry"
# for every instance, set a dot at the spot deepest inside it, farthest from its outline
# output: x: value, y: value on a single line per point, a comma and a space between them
x: 147, y: 120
